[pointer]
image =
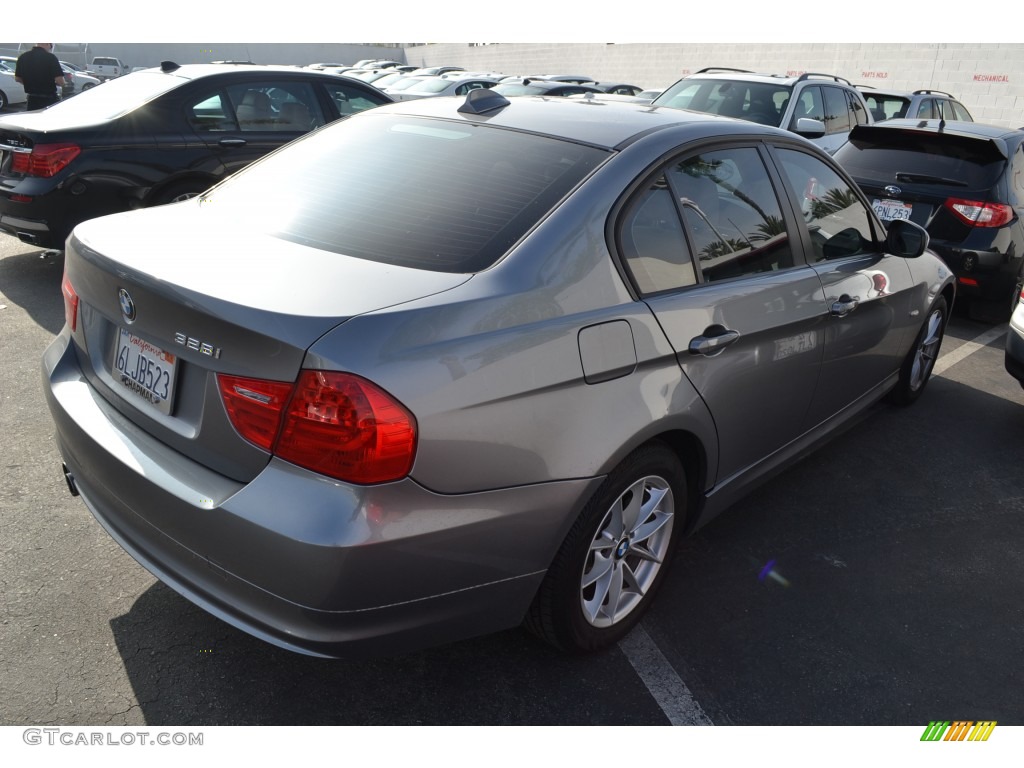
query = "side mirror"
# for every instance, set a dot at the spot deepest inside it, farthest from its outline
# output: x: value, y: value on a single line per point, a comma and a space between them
x: 809, y: 127
x: 905, y: 238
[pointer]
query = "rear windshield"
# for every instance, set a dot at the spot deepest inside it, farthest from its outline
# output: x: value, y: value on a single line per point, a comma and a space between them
x: 115, y: 97
x: 881, y: 155
x: 429, y: 194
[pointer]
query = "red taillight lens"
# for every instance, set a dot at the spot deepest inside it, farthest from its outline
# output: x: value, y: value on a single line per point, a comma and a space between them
x: 45, y: 159
x: 345, y: 427
x: 968, y: 281
x: 255, y: 406
x: 978, y: 214
x: 333, y: 423
x: 70, y: 303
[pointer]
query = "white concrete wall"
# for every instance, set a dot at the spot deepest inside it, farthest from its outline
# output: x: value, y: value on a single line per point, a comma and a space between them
x: 988, y: 79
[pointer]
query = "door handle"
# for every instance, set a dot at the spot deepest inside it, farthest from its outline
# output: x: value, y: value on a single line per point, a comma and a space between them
x: 714, y: 340
x: 844, y: 305
x: 232, y: 142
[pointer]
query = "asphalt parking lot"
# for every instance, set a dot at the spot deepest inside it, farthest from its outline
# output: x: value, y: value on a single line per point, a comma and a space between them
x: 901, y: 542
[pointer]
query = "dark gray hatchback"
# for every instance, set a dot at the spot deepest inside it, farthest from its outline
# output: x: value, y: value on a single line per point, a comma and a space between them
x: 449, y: 366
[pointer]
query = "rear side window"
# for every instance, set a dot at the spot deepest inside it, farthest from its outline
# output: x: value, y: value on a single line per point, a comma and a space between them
x: 421, y: 193
x: 882, y: 154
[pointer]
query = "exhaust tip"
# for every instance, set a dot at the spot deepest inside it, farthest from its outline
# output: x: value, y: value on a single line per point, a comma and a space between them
x: 69, y: 479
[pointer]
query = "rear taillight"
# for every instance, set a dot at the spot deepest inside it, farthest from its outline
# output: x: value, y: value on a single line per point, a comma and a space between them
x: 255, y: 406
x: 44, y: 160
x: 978, y: 214
x: 337, y: 424
x: 70, y: 303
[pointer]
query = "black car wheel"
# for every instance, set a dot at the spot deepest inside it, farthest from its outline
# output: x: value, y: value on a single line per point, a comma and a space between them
x: 3, y: 100
x: 917, y: 368
x: 615, y: 556
x: 176, y: 193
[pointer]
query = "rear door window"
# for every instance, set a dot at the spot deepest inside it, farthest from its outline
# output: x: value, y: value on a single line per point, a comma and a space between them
x: 837, y: 110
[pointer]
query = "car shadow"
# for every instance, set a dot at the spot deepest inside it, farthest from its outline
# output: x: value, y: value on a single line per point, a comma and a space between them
x: 32, y: 280
x: 189, y: 668
x: 876, y: 582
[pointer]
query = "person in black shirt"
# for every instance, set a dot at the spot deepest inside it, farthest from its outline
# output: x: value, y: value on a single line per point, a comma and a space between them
x: 41, y: 74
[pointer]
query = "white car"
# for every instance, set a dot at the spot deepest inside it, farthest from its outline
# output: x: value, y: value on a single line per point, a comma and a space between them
x: 11, y: 91
x: 77, y: 81
x: 442, y: 86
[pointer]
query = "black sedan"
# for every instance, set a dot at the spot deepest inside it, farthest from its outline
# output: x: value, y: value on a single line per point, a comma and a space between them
x: 155, y: 137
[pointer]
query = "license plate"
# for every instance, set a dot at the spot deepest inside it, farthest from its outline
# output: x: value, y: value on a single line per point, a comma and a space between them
x: 891, y: 210
x: 145, y: 370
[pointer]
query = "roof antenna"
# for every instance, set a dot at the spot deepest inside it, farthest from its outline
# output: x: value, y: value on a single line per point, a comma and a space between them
x: 482, y: 100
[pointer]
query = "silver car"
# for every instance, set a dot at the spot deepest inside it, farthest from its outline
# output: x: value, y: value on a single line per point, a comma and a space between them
x: 457, y: 364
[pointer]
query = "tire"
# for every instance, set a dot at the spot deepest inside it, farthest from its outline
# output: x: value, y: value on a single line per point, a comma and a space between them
x: 176, y: 193
x: 615, y: 556
x: 4, y: 103
x: 87, y: 86
x: 917, y: 368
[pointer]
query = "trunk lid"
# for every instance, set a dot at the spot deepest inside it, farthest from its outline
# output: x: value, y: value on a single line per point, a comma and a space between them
x: 196, y: 297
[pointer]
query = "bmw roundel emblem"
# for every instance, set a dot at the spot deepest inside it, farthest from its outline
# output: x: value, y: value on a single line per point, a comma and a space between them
x: 127, y: 305
x: 892, y: 190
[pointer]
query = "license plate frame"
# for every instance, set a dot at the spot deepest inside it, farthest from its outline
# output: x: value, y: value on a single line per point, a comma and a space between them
x: 145, y: 370
x: 892, y: 210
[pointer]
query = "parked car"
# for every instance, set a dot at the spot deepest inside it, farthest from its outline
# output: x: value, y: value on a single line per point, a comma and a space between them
x: 108, y: 67
x: 434, y: 71
x: 442, y: 85
x: 1015, y: 343
x: 76, y: 82
x: 964, y: 182
x: 154, y: 137
x: 76, y: 68
x: 11, y: 91
x: 822, y: 108
x: 453, y: 363
x: 923, y: 104
x: 400, y: 85
x: 530, y: 87
x: 622, y: 89
x: 381, y: 77
x: 578, y: 79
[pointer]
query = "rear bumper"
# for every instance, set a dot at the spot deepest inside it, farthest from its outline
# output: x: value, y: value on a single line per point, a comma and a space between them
x: 31, y: 231
x: 987, y: 275
x: 303, y: 562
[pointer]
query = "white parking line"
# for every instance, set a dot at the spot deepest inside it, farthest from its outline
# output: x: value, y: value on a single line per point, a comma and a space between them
x: 661, y: 679
x: 968, y: 348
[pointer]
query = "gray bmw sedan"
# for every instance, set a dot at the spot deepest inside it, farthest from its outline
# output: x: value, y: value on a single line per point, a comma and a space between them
x: 455, y: 365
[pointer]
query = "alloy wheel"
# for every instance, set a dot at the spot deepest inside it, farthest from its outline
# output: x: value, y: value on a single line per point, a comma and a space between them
x: 628, y: 550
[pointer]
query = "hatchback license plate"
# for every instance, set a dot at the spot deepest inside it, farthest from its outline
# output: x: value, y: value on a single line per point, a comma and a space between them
x: 146, y: 370
x: 891, y: 210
